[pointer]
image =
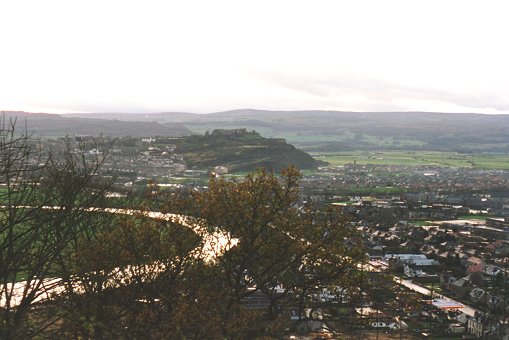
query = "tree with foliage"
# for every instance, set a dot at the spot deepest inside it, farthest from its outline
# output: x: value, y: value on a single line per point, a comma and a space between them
x: 238, y: 259
x: 286, y: 250
x: 123, y: 276
x: 248, y: 254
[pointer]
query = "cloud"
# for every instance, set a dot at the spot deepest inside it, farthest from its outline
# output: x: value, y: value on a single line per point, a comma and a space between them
x: 200, y: 56
x: 381, y: 95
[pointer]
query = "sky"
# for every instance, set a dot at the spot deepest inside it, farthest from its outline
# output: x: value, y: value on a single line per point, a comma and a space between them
x: 208, y: 56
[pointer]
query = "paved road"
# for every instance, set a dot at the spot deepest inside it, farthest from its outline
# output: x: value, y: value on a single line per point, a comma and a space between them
x: 444, y: 300
x: 468, y: 310
x: 215, y: 244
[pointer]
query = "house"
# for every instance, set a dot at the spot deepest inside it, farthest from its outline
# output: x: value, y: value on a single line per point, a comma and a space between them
x: 446, y: 255
x: 417, y: 234
x: 257, y: 300
x: 470, y: 250
x: 375, y: 253
x: 428, y: 249
x: 483, y: 325
x: 449, y: 245
x: 478, y: 268
x: 475, y: 265
x: 502, y: 251
x: 494, y: 302
x: 391, y: 241
x: 462, y: 318
x: 463, y: 258
x: 493, y: 246
x: 478, y: 295
x: 395, y: 264
x: 460, y: 287
x: 384, y: 324
x: 492, y: 270
x: 220, y: 170
x: 498, y: 223
x: 410, y: 245
x: 412, y: 270
x: 417, y: 259
x: 445, y: 278
x: 473, y: 261
x: 456, y: 328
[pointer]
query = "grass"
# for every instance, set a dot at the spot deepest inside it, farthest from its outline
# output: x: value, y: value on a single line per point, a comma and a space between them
x: 389, y: 141
x: 305, y: 139
x: 186, y: 180
x: 421, y: 223
x: 475, y: 217
x: 299, y: 138
x: 436, y: 287
x: 377, y: 190
x: 414, y: 158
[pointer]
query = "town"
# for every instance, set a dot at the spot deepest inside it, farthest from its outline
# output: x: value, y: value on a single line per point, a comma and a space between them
x: 442, y: 233
x: 290, y: 170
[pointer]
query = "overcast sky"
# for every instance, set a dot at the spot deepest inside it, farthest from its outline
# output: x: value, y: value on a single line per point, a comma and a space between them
x: 206, y: 56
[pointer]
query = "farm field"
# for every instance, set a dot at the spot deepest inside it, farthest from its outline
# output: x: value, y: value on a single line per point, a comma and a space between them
x: 415, y: 158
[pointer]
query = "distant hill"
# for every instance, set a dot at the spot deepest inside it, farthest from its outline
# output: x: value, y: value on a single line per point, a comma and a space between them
x: 237, y: 149
x: 337, y: 130
x: 240, y: 150
x: 53, y: 125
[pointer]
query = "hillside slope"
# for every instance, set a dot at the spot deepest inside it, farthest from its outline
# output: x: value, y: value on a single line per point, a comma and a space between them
x: 240, y: 150
x: 337, y: 130
x: 53, y: 125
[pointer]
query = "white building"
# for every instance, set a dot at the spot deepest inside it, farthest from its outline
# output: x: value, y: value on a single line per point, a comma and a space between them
x: 412, y: 259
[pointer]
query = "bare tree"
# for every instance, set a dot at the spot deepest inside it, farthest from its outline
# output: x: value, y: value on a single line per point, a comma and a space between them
x: 41, y: 200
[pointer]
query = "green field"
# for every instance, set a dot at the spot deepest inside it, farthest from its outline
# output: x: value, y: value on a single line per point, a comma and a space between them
x: 476, y: 217
x: 414, y: 158
x: 421, y: 223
